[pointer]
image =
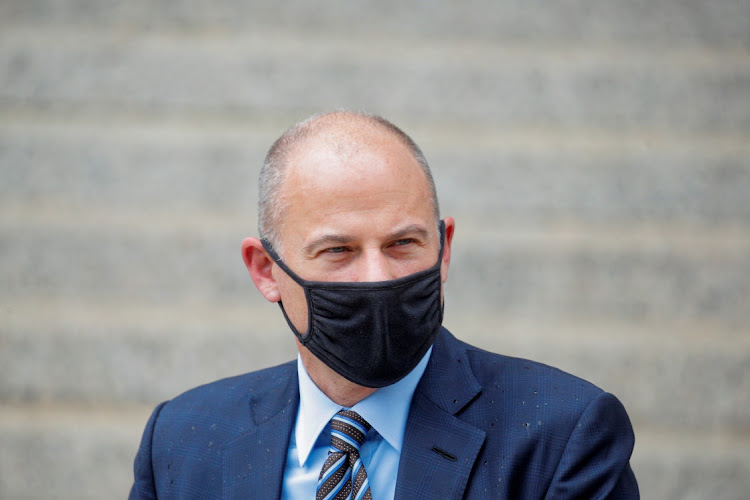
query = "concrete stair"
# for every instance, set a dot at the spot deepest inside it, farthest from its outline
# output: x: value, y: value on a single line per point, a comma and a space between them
x: 594, y: 155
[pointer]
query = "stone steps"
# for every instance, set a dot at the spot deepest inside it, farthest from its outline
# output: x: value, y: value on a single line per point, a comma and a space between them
x: 125, y: 166
x: 595, y: 156
x: 52, y: 450
x: 597, y: 88
x: 642, y: 22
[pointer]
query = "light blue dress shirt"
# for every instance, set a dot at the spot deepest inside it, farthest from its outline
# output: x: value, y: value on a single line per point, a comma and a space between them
x: 386, y: 410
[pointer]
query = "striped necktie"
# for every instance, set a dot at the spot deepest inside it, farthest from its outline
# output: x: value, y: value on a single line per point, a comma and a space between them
x: 335, y: 482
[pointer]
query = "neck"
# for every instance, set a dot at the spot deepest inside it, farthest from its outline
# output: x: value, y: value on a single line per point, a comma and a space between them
x: 338, y: 389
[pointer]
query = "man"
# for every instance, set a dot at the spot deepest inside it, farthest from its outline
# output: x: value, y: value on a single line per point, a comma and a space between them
x: 382, y: 402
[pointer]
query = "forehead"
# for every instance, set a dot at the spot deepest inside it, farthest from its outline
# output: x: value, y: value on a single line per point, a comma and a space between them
x: 347, y: 177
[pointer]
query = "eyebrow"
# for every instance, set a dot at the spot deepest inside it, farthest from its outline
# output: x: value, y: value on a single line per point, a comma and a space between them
x: 340, y: 239
x: 411, y: 230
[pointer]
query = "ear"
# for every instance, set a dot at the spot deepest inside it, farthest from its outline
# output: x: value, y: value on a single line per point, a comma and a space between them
x: 259, y: 265
x: 450, y: 227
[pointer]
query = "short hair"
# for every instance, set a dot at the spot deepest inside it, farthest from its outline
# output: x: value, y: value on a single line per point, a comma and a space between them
x: 273, y: 172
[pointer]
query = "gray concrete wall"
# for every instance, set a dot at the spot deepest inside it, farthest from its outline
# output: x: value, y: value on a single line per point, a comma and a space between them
x: 594, y: 154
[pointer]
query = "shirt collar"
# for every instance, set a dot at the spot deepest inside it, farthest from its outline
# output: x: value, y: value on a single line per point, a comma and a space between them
x: 386, y: 410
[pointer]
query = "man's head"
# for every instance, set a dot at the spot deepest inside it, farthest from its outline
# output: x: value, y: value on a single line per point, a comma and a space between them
x: 341, y: 130
x: 345, y: 197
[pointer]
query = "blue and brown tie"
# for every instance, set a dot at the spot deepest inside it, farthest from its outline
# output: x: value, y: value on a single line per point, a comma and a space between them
x: 343, y: 475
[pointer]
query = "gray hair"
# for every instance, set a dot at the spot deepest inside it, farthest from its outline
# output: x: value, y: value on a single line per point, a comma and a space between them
x: 271, y: 207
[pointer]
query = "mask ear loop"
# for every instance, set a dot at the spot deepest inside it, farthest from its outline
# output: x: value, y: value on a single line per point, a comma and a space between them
x: 303, y: 338
x: 440, y: 266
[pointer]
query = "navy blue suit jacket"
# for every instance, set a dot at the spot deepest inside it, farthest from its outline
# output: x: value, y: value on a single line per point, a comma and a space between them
x: 481, y: 425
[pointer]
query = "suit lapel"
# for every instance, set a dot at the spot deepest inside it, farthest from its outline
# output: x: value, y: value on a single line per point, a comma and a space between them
x: 439, y: 449
x: 254, y: 462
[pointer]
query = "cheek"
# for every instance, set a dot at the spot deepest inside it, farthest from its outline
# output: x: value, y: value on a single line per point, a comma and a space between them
x: 295, y: 304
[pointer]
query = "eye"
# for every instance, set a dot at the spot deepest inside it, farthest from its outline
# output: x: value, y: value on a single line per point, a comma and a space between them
x: 403, y: 242
x: 335, y: 250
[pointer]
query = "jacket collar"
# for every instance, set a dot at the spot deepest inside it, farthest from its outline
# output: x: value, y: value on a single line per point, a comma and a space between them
x: 439, y: 449
x: 448, y: 381
x: 254, y: 461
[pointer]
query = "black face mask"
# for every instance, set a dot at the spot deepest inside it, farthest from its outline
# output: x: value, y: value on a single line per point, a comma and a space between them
x: 371, y: 333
